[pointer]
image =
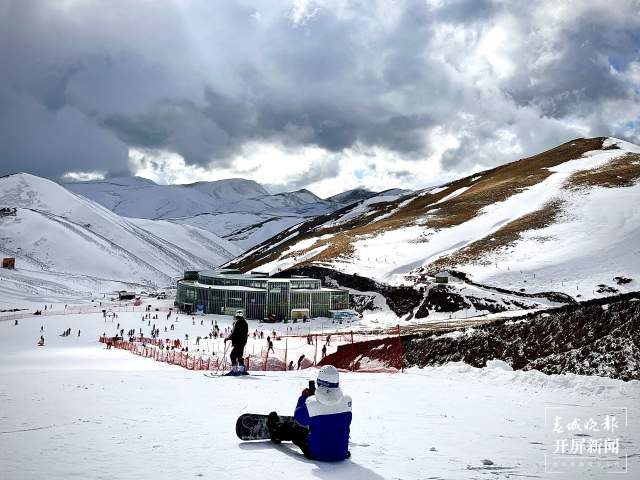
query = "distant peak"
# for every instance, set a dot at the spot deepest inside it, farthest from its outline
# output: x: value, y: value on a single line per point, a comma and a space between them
x: 230, y: 188
x: 122, y: 181
x: 351, y: 196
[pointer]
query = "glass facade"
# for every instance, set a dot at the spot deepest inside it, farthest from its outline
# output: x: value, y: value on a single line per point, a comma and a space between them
x: 259, y: 296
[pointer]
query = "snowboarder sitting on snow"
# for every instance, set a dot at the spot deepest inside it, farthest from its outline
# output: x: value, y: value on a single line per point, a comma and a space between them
x: 238, y: 339
x: 320, y: 426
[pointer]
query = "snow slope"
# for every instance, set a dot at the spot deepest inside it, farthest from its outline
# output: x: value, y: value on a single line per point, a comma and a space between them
x: 75, y: 409
x: 64, y: 243
x: 564, y: 220
x: 230, y: 189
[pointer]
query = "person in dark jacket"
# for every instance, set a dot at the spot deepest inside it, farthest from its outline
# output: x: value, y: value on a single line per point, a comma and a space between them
x: 321, y: 422
x: 238, y: 339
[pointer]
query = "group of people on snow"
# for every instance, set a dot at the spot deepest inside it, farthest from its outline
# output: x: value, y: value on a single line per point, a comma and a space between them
x: 67, y: 332
x: 322, y: 416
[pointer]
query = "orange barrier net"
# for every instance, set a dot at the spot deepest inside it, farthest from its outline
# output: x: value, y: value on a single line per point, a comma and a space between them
x: 355, y: 352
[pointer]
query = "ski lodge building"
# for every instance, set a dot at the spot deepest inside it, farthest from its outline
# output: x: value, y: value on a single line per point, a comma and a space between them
x: 259, y: 296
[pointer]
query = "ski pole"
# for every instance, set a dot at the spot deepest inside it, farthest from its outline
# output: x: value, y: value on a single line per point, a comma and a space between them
x: 224, y: 356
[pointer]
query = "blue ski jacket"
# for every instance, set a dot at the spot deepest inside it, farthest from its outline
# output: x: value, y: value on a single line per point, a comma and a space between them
x: 328, y: 425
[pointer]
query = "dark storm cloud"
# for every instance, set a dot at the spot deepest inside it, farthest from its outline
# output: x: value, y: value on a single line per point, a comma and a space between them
x: 84, y: 81
x: 580, y: 73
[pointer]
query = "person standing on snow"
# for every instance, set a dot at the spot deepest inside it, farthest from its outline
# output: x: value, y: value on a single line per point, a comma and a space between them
x: 321, y: 422
x: 238, y: 339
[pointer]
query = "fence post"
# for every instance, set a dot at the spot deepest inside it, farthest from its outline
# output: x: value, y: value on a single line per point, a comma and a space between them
x: 401, y: 350
x: 315, y: 353
x: 286, y: 342
x: 352, y: 351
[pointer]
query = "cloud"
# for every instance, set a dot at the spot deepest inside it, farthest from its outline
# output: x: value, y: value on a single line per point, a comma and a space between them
x: 438, y: 88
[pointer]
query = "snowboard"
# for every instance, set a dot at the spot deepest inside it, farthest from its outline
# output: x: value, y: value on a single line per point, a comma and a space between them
x: 253, y: 426
x: 221, y: 375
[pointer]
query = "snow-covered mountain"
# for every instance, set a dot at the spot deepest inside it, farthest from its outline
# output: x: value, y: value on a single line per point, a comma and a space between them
x: 239, y: 210
x: 65, y: 243
x: 352, y: 196
x: 565, y: 220
x: 230, y: 189
x: 357, y: 195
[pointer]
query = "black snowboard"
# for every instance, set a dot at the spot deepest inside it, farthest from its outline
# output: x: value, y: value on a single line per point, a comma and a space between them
x: 253, y: 426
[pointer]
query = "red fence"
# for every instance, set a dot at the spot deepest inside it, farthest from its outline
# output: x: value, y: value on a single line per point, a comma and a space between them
x: 149, y: 348
x: 372, y: 355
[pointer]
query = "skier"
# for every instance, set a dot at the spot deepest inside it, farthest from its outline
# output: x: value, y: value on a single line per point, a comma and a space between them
x: 238, y: 339
x: 321, y: 422
x: 269, y: 345
x: 300, y: 361
x: 324, y: 351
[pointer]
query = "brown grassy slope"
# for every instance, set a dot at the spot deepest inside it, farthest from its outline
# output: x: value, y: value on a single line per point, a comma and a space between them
x: 623, y: 171
x: 477, y: 251
x: 494, y: 185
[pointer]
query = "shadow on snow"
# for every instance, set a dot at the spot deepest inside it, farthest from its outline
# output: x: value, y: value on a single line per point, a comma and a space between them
x: 344, y: 469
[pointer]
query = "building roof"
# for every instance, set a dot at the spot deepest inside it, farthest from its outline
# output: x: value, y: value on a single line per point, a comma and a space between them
x: 222, y: 287
x: 248, y: 276
x: 242, y: 288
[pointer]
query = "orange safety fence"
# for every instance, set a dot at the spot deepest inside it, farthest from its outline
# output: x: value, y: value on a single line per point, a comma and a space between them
x: 357, y: 352
x: 150, y: 349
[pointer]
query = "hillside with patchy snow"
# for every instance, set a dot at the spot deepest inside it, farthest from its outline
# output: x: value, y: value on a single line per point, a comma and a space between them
x: 242, y: 211
x: 67, y: 245
x: 565, y: 220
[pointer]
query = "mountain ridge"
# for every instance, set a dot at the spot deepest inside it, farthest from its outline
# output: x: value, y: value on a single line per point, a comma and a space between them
x: 241, y: 210
x: 511, y: 226
x: 65, y: 243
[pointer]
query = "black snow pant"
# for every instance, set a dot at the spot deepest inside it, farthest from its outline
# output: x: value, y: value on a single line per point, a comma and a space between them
x: 288, y: 430
x: 237, y: 355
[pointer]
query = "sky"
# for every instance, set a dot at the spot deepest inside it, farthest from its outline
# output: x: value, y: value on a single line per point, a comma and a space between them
x: 325, y: 95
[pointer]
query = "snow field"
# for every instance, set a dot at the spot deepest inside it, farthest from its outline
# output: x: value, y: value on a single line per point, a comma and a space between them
x: 75, y: 409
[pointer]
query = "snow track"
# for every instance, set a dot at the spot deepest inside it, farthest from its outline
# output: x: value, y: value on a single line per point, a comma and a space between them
x: 75, y: 409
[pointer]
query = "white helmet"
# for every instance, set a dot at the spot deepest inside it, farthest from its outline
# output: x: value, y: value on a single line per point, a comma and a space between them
x: 328, y: 389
